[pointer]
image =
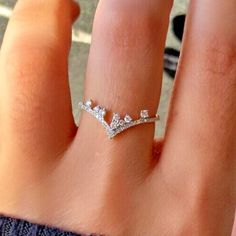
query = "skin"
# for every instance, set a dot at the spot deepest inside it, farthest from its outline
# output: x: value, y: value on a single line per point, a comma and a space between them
x: 52, y: 172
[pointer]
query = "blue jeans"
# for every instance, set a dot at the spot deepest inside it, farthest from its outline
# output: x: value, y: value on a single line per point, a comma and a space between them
x: 17, y: 227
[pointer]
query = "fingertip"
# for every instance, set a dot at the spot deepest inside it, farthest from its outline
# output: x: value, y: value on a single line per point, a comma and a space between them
x: 75, y: 10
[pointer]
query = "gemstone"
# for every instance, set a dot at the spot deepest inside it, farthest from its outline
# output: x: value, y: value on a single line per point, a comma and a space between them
x: 144, y: 114
x: 114, y: 125
x: 97, y: 109
x: 121, y: 123
x: 115, y: 118
x: 88, y: 103
x: 127, y: 119
x: 102, y: 112
x: 111, y: 133
x: 115, y: 121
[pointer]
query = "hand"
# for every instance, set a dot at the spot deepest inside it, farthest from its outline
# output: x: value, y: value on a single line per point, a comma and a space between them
x: 77, y: 179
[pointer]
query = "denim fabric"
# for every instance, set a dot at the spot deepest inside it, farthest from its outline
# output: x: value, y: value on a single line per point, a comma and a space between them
x: 17, y: 227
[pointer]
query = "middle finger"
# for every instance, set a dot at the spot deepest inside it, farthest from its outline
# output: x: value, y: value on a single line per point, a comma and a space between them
x: 125, y: 74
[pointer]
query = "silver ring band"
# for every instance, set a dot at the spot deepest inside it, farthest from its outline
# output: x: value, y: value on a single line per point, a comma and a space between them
x: 118, y: 124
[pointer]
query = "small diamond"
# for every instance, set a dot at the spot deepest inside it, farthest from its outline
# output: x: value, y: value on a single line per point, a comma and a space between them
x: 102, y: 112
x: 97, y: 109
x: 115, y: 121
x: 115, y: 118
x: 114, y: 125
x: 121, y: 123
x: 110, y: 133
x: 88, y: 103
x: 128, y: 119
x: 144, y: 114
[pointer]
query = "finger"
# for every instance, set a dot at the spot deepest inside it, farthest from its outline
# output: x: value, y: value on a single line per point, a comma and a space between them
x: 75, y: 10
x: 125, y: 71
x: 234, y: 228
x: 201, y: 134
x: 35, y: 100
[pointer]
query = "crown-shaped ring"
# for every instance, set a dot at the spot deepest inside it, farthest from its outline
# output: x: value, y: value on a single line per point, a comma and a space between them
x: 117, y: 124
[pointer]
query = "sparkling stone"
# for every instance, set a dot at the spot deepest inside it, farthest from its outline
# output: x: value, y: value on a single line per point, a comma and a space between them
x: 121, y: 122
x: 115, y: 121
x: 115, y: 118
x: 102, y: 112
x: 88, y: 103
x: 111, y: 133
x: 114, y: 125
x: 97, y: 109
x: 144, y: 114
x: 128, y: 119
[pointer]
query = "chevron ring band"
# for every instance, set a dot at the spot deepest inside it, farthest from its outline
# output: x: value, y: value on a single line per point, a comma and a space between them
x: 117, y: 124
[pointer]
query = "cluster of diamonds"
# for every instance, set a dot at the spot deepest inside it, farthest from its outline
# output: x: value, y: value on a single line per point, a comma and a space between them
x: 118, y: 124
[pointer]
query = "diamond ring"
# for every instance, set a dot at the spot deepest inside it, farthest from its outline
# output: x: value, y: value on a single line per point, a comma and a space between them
x: 117, y: 124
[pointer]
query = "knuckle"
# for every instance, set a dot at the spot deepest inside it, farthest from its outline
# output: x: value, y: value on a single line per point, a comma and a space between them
x: 124, y: 30
x: 25, y: 114
x: 26, y: 10
x: 122, y: 36
x: 22, y: 78
x: 39, y: 21
x: 22, y: 64
x: 139, y: 6
x: 26, y: 72
x: 219, y: 57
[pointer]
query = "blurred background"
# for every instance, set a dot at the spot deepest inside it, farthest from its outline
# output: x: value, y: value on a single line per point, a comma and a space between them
x: 80, y: 49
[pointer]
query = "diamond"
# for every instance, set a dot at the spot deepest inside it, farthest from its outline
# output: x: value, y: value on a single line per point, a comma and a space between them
x: 110, y: 133
x: 114, y: 126
x: 144, y: 114
x: 115, y: 121
x: 115, y: 118
x: 121, y: 123
x: 127, y: 119
x: 102, y: 112
x: 97, y: 109
x: 88, y: 103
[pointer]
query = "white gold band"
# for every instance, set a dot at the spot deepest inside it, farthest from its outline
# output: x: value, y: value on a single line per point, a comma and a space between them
x: 118, y: 124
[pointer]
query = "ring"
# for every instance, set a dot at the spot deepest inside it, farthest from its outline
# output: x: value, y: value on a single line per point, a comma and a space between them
x: 118, y: 124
